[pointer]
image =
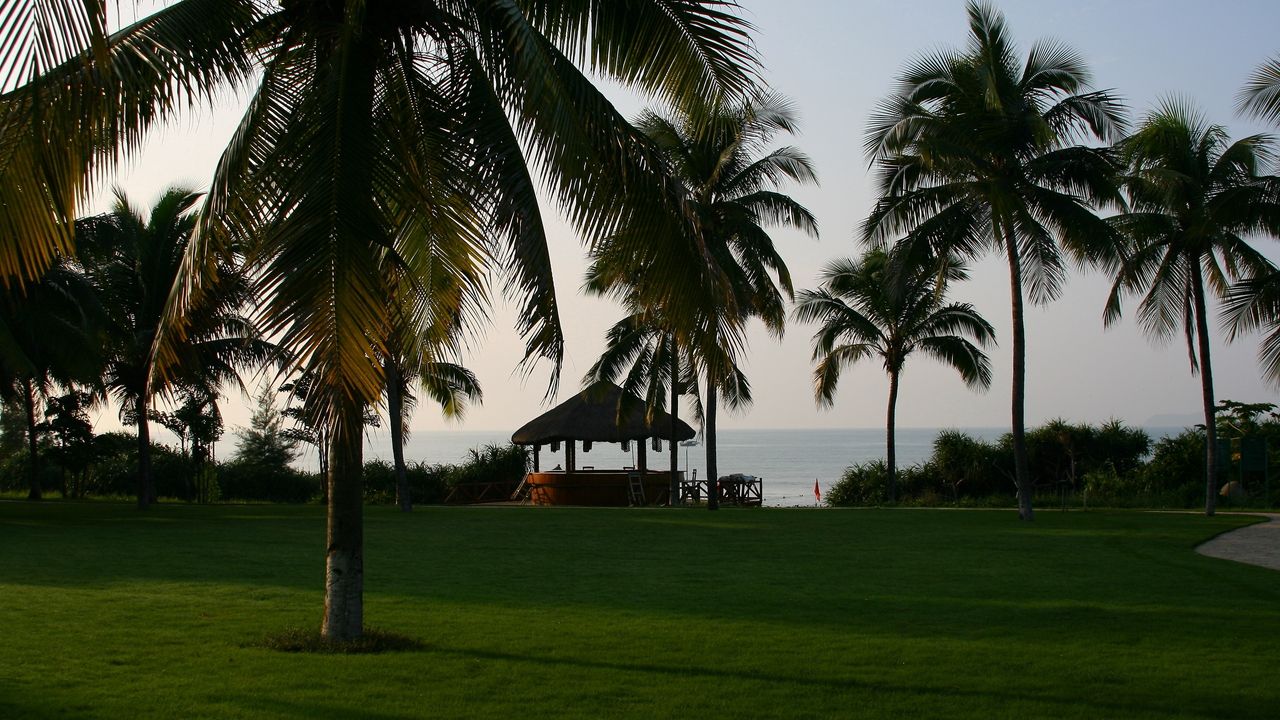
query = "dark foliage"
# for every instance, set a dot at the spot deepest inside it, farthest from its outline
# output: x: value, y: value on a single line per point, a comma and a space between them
x: 969, y: 471
x: 255, y: 482
x: 490, y: 463
x: 426, y: 482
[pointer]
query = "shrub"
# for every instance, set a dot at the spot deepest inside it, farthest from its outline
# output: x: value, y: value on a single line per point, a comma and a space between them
x: 248, y: 481
x: 1175, y: 472
x: 968, y: 467
x: 860, y: 485
x: 115, y: 469
x: 490, y: 463
x: 427, y: 484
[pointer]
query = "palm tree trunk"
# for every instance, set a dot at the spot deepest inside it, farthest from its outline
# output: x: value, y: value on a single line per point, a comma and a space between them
x: 1206, y: 392
x: 675, y: 411
x: 890, y: 447
x: 395, y: 412
x: 144, y: 455
x: 344, y: 555
x: 713, y: 475
x: 34, y: 491
x: 1021, y: 467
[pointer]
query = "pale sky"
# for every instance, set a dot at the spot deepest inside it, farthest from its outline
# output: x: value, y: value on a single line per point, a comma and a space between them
x: 835, y: 60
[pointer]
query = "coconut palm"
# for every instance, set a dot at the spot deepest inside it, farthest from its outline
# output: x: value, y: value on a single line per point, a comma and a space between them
x: 1195, y: 198
x: 881, y: 307
x: 372, y: 128
x: 975, y: 154
x: 50, y: 334
x: 428, y: 319
x: 449, y: 385
x: 643, y: 357
x: 725, y: 269
x: 134, y: 262
x: 1254, y: 304
x: 1260, y: 96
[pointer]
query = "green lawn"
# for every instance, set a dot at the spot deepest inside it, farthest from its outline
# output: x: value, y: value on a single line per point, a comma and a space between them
x: 532, y: 612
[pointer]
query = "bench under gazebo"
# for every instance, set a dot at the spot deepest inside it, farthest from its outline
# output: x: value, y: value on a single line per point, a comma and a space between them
x: 603, y: 413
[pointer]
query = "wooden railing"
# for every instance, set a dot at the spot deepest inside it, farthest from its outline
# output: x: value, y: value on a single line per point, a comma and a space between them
x: 745, y: 490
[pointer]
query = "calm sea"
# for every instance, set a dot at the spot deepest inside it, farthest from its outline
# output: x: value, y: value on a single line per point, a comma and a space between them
x: 788, y: 460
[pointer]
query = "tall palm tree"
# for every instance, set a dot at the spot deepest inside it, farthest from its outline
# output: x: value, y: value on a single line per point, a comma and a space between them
x: 1195, y: 198
x: 725, y: 269
x: 50, y: 334
x: 134, y: 262
x: 371, y: 127
x: 975, y: 154
x: 449, y: 385
x: 428, y: 317
x: 644, y: 357
x: 882, y: 307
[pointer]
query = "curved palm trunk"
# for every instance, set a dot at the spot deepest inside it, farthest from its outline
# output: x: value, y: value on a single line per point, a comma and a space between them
x: 1021, y: 467
x: 1206, y: 393
x: 890, y: 445
x: 33, y: 443
x: 395, y: 413
x: 674, y: 497
x: 713, y: 475
x: 146, y: 491
x: 344, y: 556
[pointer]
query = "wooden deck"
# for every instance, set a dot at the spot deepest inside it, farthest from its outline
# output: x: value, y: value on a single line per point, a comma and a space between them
x: 596, y: 488
x: 745, y: 490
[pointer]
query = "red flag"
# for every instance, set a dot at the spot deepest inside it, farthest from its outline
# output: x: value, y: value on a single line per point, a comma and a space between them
x: 817, y: 494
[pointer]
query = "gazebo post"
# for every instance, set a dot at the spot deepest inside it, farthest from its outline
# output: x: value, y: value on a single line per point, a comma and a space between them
x: 642, y: 460
x: 570, y: 456
x: 537, y: 452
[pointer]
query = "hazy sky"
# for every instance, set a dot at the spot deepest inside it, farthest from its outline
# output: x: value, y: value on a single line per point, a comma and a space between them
x: 836, y: 59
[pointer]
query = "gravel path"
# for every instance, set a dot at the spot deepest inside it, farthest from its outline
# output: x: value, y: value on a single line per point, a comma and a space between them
x: 1256, y: 545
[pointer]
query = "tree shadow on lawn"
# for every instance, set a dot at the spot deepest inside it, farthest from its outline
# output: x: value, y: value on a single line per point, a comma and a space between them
x: 1074, y: 699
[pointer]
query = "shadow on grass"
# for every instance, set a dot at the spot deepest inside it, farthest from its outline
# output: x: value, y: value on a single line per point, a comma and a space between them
x: 309, y: 640
x: 1067, y: 700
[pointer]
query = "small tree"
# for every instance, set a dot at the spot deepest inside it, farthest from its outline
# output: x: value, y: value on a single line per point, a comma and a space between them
x: 264, y: 443
x: 67, y: 422
x: 197, y: 421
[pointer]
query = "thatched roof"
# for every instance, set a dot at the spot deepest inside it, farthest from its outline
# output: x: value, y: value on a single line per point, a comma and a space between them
x: 593, y: 414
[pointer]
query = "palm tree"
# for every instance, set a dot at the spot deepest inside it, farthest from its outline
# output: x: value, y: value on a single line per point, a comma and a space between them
x: 643, y: 356
x: 373, y: 126
x: 134, y: 262
x: 1254, y: 304
x: 450, y: 385
x: 1260, y: 96
x: 428, y: 318
x: 975, y: 155
x: 725, y: 268
x: 1195, y: 197
x: 50, y: 334
x: 878, y: 306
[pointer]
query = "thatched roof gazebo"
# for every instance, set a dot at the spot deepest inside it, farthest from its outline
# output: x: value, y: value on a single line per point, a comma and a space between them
x: 603, y: 412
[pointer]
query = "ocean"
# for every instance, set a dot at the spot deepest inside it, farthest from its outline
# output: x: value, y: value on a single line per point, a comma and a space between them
x: 789, y: 461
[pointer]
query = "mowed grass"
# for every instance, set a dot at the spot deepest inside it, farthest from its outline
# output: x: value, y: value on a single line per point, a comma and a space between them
x: 547, y: 613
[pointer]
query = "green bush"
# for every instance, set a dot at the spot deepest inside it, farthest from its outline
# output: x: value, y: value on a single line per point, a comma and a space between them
x: 861, y: 484
x: 490, y: 463
x: 966, y: 467
x: 426, y: 482
x: 115, y: 468
x: 242, y: 481
x: 1175, y: 473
